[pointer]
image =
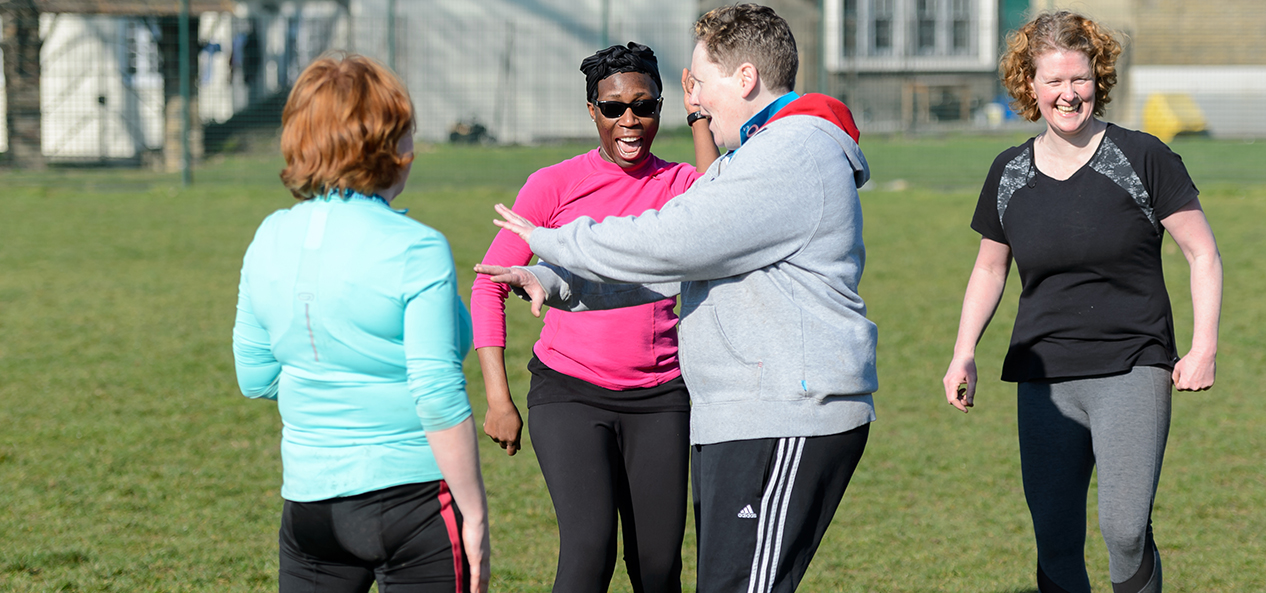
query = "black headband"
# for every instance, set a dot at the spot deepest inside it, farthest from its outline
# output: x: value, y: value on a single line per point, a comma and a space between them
x: 616, y: 59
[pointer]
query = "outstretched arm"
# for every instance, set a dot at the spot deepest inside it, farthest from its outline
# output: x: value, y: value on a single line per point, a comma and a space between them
x: 1190, y: 230
x: 546, y: 284
x: 984, y: 292
x: 756, y: 214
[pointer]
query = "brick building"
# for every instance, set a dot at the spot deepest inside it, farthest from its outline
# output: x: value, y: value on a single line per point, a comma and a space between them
x: 1206, y: 51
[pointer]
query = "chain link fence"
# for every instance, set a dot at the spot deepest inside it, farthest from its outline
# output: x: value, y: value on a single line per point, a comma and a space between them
x: 104, y: 89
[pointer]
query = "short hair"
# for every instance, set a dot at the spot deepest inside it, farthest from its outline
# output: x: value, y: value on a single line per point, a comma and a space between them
x: 616, y: 59
x: 751, y: 33
x: 341, y: 127
x: 1058, y: 31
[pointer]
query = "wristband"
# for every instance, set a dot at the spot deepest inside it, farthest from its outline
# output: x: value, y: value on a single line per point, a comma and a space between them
x: 694, y: 117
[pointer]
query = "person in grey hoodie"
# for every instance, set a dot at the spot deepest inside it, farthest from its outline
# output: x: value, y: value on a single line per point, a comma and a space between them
x: 766, y: 252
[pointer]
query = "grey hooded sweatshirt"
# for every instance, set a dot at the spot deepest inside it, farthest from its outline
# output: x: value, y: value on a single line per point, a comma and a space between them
x: 766, y: 252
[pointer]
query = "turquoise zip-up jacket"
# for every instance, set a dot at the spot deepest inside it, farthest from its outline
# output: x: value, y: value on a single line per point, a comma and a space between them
x: 348, y: 316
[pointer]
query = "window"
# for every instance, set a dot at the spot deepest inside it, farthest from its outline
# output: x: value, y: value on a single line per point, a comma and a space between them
x: 881, y: 27
x: 960, y: 27
x: 909, y: 28
x: 925, y: 27
x: 849, y: 33
x: 142, y: 68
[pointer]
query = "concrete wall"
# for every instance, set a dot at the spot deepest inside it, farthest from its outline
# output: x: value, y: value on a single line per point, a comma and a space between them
x: 514, y: 65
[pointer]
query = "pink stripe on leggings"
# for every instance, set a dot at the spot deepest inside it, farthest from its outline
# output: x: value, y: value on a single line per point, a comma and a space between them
x: 449, y: 513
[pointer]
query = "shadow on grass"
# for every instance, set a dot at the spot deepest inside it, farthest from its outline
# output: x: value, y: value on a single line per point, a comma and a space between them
x: 39, y: 562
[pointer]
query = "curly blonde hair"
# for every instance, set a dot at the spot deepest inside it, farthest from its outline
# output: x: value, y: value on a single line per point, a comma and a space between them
x: 1058, y: 31
x: 342, y: 125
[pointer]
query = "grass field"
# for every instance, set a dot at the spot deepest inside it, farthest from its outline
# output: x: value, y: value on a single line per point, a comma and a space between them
x: 129, y: 462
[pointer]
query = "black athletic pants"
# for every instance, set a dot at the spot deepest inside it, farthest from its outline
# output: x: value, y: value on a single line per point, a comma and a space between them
x: 407, y: 537
x: 599, y: 464
x: 762, y: 506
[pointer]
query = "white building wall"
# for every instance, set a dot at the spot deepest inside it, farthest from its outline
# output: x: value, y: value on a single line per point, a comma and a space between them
x: 215, y: 78
x: 92, y: 105
x: 514, y: 65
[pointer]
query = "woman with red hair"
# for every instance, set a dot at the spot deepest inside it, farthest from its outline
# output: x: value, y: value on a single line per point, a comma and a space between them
x: 1083, y: 208
x: 348, y: 316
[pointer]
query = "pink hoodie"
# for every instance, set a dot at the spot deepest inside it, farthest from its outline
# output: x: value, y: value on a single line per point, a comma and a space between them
x: 617, y: 349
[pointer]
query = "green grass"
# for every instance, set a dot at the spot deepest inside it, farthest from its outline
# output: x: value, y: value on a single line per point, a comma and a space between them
x: 129, y: 462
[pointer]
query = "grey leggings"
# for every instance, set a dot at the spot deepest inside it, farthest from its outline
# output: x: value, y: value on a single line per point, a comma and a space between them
x: 1117, y: 424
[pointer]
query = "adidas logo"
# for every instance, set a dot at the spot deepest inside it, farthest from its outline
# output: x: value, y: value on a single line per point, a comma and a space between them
x: 747, y: 513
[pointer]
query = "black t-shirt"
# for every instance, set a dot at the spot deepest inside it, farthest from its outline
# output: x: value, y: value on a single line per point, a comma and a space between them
x: 1088, y: 253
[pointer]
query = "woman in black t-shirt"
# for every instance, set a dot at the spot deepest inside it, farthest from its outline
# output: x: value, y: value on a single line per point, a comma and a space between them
x: 1083, y: 208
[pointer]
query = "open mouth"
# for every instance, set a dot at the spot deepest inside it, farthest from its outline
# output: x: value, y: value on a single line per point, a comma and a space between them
x: 629, y: 148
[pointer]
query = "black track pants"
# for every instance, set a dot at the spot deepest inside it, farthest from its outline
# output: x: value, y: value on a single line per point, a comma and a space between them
x: 762, y: 506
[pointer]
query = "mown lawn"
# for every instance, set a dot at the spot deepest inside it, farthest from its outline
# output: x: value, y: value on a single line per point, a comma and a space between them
x: 129, y: 462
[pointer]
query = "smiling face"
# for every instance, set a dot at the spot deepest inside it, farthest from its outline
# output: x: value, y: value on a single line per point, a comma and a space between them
x: 1064, y: 86
x: 626, y: 140
x: 720, y: 96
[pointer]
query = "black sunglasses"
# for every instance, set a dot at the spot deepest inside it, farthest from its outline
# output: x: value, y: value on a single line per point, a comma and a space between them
x: 642, y: 108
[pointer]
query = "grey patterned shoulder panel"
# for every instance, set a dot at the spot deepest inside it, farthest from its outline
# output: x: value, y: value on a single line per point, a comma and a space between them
x: 1111, y: 163
x: 1017, y: 173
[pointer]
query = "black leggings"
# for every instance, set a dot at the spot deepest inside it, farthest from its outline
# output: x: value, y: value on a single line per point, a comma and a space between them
x: 407, y: 537
x: 597, y: 464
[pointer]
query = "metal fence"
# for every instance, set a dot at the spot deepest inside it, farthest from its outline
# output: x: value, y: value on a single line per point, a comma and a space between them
x: 107, y: 87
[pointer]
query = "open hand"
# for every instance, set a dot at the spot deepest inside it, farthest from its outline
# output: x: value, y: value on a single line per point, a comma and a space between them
x: 518, y: 278
x: 514, y: 223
